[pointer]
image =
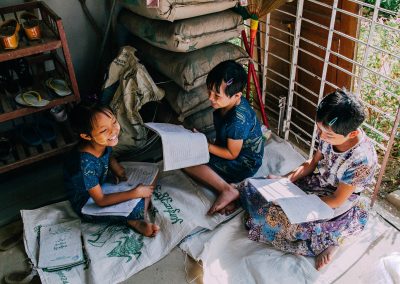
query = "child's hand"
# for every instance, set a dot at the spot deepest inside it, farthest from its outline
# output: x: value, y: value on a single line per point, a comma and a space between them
x: 143, y: 190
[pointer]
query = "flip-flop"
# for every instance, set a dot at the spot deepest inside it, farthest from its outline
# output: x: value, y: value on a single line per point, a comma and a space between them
x: 58, y: 86
x: 46, y: 130
x: 29, y: 135
x: 31, y: 98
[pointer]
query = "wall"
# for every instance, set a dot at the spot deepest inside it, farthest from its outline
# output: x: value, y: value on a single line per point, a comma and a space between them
x: 82, y: 41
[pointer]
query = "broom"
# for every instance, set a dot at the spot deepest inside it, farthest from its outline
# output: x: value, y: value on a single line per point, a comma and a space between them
x: 255, y: 10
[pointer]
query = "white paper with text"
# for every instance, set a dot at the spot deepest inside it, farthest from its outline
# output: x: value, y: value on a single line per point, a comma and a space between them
x: 60, y: 244
x: 273, y: 189
x: 181, y: 147
x: 301, y: 209
x: 298, y: 206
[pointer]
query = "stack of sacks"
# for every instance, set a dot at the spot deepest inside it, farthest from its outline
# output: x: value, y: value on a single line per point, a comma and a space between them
x: 186, y: 50
x: 172, y: 10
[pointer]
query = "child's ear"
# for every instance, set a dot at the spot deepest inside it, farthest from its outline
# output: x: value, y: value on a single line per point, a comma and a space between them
x: 85, y: 136
x: 354, y: 133
x: 238, y: 95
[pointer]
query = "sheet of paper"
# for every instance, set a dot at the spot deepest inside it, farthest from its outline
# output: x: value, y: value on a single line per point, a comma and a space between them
x: 273, y: 189
x: 120, y: 209
x: 60, y: 244
x: 181, y: 147
x: 301, y: 209
x: 140, y: 173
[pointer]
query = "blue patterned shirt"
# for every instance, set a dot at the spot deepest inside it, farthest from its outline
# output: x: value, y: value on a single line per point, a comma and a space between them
x: 82, y: 172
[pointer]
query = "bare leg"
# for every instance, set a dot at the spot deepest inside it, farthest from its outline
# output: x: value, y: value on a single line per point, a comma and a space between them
x: 325, y: 257
x: 227, y: 193
x: 147, y: 205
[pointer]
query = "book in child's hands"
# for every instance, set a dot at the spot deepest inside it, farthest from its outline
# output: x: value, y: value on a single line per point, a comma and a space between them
x: 181, y: 147
x: 298, y: 206
x: 60, y: 246
x: 136, y: 173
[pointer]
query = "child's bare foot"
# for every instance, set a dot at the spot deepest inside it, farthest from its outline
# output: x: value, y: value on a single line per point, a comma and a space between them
x: 224, y: 199
x: 144, y: 228
x: 325, y: 257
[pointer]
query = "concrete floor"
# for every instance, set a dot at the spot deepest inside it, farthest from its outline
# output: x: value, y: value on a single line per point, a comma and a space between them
x: 41, y: 184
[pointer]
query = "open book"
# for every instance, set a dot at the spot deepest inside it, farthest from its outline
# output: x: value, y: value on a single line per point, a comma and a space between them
x: 60, y: 246
x: 298, y: 206
x: 136, y: 173
x: 181, y: 147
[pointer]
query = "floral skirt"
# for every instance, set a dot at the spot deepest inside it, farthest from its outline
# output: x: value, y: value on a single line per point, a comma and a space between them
x: 267, y: 222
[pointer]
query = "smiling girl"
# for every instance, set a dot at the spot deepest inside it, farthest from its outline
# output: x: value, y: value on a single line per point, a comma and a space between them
x: 91, y: 165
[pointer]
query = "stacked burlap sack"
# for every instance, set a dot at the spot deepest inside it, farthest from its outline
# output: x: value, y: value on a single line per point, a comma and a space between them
x: 183, y: 40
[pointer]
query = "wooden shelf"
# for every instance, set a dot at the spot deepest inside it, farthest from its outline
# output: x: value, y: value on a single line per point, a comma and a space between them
x: 23, y: 154
x: 36, y: 53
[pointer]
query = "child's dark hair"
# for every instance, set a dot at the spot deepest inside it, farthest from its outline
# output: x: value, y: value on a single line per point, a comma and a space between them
x: 232, y: 73
x: 82, y: 116
x: 341, y: 112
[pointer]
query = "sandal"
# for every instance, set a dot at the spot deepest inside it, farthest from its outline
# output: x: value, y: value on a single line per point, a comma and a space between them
x: 29, y: 135
x: 58, y: 86
x: 31, y: 98
x: 31, y: 25
x: 9, y: 34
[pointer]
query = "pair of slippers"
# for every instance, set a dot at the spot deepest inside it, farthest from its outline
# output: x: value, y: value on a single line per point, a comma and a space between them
x: 37, y: 133
x: 34, y: 99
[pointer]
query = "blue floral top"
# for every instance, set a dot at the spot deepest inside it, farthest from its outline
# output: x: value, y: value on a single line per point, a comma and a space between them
x: 240, y: 123
x: 83, y: 171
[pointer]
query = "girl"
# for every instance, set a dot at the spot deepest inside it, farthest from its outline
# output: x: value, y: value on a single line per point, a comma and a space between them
x: 346, y: 162
x: 88, y: 168
x: 238, y: 150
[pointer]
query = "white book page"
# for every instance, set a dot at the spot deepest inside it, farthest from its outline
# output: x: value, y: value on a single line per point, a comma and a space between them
x: 181, y: 147
x: 120, y: 209
x: 140, y: 173
x: 60, y: 244
x: 303, y: 209
x: 273, y: 189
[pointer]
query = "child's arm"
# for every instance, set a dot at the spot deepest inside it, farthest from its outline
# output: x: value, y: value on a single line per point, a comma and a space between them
x: 306, y: 168
x: 231, y: 152
x: 341, y: 194
x: 101, y: 199
x: 117, y: 170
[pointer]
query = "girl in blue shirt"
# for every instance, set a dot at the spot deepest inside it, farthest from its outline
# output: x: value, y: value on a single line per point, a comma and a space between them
x: 91, y: 165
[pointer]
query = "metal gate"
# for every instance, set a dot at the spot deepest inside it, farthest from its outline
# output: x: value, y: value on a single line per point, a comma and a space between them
x: 365, y: 58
